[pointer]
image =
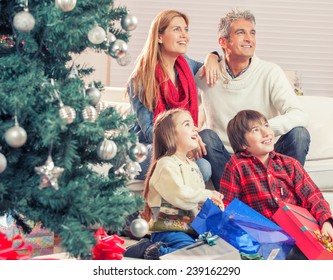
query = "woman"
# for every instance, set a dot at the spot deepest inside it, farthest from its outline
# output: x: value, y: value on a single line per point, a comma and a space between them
x: 163, y: 79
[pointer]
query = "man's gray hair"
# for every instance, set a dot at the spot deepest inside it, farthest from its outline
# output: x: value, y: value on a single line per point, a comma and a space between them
x: 230, y: 17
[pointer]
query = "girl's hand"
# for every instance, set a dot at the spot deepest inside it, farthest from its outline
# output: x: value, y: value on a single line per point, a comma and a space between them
x: 201, y: 151
x: 198, y: 152
x: 217, y: 199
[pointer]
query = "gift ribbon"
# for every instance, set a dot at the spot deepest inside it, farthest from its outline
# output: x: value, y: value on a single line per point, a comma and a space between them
x: 108, y: 247
x: 8, y: 252
x: 205, y: 238
x: 299, y: 213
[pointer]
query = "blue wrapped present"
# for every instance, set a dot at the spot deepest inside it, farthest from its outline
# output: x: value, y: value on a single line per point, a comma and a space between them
x: 245, y: 229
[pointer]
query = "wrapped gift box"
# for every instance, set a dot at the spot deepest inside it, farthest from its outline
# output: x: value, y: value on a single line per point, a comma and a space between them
x: 200, y: 250
x: 41, y: 241
x: 8, y: 227
x: 39, y: 238
x: 300, y: 224
x: 245, y: 229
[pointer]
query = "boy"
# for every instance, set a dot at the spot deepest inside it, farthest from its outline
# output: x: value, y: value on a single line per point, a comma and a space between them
x: 261, y: 178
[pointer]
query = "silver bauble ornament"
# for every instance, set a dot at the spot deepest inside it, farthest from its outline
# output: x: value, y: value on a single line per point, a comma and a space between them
x: 89, y: 113
x: 16, y: 136
x: 120, y: 172
x: 96, y: 35
x: 3, y: 163
x: 111, y: 38
x: 65, y: 5
x: 139, y: 227
x: 125, y: 60
x: 24, y: 21
x: 101, y: 106
x: 133, y: 169
x: 107, y: 149
x: 118, y: 48
x: 140, y: 152
x: 67, y: 113
x: 129, y: 22
x: 94, y: 95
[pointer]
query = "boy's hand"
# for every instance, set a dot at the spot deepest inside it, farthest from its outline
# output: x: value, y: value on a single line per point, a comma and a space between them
x: 327, y: 229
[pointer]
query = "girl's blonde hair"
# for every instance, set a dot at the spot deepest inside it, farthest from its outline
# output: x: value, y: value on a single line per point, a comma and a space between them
x: 143, y: 75
x: 164, y: 144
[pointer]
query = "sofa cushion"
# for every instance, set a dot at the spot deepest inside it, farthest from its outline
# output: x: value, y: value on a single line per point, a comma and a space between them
x: 321, y: 145
x: 321, y: 172
x: 320, y: 126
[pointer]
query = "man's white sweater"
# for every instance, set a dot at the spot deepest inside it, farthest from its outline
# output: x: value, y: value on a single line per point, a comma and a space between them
x: 262, y: 87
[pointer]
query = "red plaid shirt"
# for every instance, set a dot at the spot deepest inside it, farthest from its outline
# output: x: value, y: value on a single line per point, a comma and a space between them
x: 262, y: 188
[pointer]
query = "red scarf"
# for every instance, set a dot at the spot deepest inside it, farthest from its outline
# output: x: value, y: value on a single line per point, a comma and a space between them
x: 184, y: 97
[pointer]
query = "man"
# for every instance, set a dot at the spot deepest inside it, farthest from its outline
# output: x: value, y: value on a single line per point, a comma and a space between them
x: 247, y: 82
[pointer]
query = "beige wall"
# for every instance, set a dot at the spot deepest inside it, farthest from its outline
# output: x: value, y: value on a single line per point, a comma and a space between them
x: 99, y: 61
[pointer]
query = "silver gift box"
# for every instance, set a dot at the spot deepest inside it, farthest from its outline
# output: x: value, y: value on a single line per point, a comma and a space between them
x: 200, y: 250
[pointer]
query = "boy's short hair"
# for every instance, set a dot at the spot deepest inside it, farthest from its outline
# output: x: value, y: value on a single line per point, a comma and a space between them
x: 239, y: 125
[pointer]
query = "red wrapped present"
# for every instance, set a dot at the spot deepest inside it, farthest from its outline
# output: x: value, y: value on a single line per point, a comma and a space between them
x: 302, y: 226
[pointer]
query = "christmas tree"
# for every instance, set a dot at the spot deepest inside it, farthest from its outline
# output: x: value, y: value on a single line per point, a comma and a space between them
x: 54, y: 128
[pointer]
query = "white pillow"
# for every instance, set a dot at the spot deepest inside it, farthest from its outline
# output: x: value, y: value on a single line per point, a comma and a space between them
x: 321, y: 145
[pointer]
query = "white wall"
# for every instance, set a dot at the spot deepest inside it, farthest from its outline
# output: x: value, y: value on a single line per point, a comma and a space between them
x: 296, y: 34
x: 99, y: 61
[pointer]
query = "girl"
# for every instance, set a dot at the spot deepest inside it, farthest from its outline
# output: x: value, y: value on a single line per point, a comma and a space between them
x: 174, y: 188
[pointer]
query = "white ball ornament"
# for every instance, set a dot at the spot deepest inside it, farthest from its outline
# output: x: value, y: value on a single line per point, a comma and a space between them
x: 107, y: 149
x: 96, y: 35
x: 111, y: 38
x: 16, y: 136
x: 120, y: 172
x: 89, y: 113
x: 133, y: 169
x: 118, y: 48
x: 139, y: 227
x: 140, y: 152
x: 125, y: 60
x: 94, y: 95
x: 101, y: 106
x: 3, y: 163
x: 67, y: 113
x: 24, y: 21
x: 65, y: 5
x: 129, y: 22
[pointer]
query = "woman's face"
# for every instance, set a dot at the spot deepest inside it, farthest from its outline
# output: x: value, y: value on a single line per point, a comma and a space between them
x: 175, y: 38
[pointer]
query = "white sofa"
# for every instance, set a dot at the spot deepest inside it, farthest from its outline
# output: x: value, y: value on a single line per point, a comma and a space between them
x: 319, y: 163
